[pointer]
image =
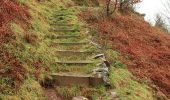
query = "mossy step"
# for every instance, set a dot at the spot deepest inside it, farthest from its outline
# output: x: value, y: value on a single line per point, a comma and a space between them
x: 67, y: 33
x: 60, y: 21
x: 80, y: 39
x: 63, y: 27
x: 80, y: 79
x: 74, y: 62
x: 72, y: 56
x: 63, y: 14
x: 69, y: 43
x: 62, y: 30
x: 73, y: 51
x: 87, y: 47
x: 62, y: 24
x: 67, y: 36
x: 71, y: 74
x: 85, y: 68
x: 61, y: 17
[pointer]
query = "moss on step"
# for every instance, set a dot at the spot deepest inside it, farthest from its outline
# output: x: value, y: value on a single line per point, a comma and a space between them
x: 77, y: 39
x: 74, y: 68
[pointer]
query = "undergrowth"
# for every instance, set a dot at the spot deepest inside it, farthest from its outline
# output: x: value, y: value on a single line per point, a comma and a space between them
x: 25, y: 58
x: 143, y: 48
x: 91, y: 93
x: 122, y: 81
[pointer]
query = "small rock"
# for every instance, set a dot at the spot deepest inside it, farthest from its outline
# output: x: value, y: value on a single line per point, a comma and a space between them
x: 79, y: 98
x: 113, y: 94
x: 99, y: 56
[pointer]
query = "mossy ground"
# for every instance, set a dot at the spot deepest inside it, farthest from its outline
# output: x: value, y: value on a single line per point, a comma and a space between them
x: 31, y: 50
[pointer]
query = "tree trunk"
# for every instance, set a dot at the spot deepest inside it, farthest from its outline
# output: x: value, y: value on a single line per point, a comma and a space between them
x: 108, y: 2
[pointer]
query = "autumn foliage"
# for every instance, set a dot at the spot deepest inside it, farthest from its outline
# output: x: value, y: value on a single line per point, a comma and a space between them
x: 144, y: 49
x: 10, y: 66
x: 10, y: 11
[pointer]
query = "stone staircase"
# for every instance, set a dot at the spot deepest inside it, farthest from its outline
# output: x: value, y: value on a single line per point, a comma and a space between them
x: 74, y: 53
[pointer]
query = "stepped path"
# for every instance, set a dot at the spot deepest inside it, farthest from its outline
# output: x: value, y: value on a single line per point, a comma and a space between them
x: 74, y: 53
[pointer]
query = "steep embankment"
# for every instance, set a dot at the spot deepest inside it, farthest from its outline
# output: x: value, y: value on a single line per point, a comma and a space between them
x: 144, y: 49
x: 24, y: 58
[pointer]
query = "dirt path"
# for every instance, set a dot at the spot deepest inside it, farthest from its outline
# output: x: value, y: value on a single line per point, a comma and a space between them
x: 50, y: 94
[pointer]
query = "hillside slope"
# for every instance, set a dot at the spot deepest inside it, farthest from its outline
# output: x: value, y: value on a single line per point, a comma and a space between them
x: 28, y: 58
x: 144, y: 49
x: 24, y: 58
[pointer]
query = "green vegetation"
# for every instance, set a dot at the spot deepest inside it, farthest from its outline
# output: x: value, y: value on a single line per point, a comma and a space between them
x: 68, y: 92
x: 92, y: 93
x: 124, y: 83
x: 32, y: 52
x: 30, y: 89
x: 126, y: 87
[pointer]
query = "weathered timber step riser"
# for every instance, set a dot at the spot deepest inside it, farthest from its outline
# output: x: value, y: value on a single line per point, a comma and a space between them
x: 62, y: 16
x: 67, y: 52
x: 74, y: 56
x: 74, y: 62
x: 77, y: 37
x: 62, y: 30
x: 86, y: 54
x: 68, y: 47
x: 56, y: 15
x: 61, y: 24
x: 65, y: 57
x: 59, y: 17
x: 61, y: 21
x: 76, y: 43
x: 67, y: 36
x: 80, y: 81
x: 62, y: 27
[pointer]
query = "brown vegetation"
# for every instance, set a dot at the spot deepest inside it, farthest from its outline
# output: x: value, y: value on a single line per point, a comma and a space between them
x: 145, y: 49
x: 10, y: 12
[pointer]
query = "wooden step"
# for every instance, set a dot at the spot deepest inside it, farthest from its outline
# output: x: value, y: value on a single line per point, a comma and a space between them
x: 69, y: 79
x: 60, y: 18
x: 67, y: 36
x: 62, y: 24
x: 62, y: 14
x: 60, y: 21
x: 73, y: 51
x: 64, y: 36
x: 62, y: 30
x: 73, y: 56
x: 74, y: 62
x: 70, y: 43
